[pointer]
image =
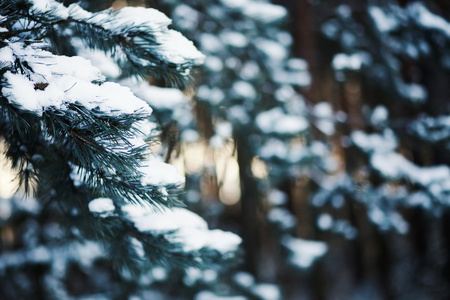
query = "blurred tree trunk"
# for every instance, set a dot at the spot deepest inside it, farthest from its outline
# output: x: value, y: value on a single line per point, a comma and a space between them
x: 251, y: 206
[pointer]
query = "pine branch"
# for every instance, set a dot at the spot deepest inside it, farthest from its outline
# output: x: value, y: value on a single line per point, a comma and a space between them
x: 141, y: 48
x: 72, y: 137
x: 100, y: 138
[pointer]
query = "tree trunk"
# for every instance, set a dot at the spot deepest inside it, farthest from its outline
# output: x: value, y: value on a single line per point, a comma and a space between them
x: 251, y: 207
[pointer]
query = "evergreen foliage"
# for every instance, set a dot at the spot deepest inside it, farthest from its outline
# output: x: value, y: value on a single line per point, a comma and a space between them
x: 79, y: 144
x: 249, y: 91
x: 382, y: 209
x: 402, y: 107
x: 343, y: 164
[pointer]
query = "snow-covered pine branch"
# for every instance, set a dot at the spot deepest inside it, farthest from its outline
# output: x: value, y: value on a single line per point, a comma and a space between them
x: 137, y: 38
x: 75, y: 138
x: 92, y: 123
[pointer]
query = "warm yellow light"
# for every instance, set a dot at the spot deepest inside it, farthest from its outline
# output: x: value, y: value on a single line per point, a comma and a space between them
x: 228, y: 178
x: 259, y: 168
x: 7, y: 177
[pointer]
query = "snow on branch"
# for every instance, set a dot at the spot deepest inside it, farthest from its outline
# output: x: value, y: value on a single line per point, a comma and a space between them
x: 148, y: 28
x: 426, y: 19
x: 304, y: 252
x: 73, y: 137
x: 185, y: 231
x: 95, y: 122
x: 45, y: 80
x: 137, y: 38
x: 394, y: 166
x: 183, y: 227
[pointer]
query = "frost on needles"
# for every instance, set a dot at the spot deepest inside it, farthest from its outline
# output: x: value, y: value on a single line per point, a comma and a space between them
x: 79, y: 143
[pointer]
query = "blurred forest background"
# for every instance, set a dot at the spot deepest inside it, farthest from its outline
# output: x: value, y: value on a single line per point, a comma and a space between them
x: 318, y: 131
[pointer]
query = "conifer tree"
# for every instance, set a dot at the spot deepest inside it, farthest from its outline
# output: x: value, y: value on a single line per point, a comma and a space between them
x: 386, y: 120
x: 395, y: 53
x: 102, y: 202
x: 250, y: 95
